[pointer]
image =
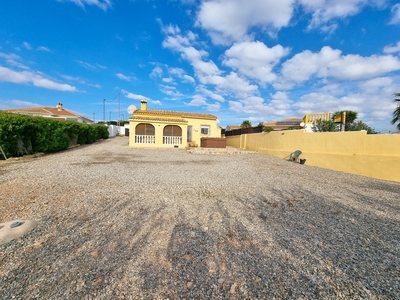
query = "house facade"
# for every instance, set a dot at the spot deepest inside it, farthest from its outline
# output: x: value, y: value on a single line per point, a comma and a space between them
x: 57, y: 112
x: 170, y: 129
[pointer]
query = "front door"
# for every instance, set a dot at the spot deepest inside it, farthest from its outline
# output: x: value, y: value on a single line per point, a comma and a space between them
x: 189, y: 133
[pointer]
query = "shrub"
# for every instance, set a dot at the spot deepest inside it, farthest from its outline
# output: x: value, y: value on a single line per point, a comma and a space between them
x: 360, y: 125
x: 326, y: 125
x: 21, y: 134
x: 268, y: 129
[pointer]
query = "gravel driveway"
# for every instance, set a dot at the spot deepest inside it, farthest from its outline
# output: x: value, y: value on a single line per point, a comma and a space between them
x: 115, y: 222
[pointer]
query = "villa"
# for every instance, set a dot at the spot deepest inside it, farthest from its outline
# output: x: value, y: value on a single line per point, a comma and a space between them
x: 57, y: 112
x: 170, y: 129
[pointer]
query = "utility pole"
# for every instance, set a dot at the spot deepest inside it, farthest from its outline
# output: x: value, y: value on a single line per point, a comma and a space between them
x: 119, y: 108
x: 94, y: 117
x: 109, y: 119
x: 104, y: 110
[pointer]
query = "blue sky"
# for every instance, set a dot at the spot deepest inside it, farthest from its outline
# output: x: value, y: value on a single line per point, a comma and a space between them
x: 261, y: 60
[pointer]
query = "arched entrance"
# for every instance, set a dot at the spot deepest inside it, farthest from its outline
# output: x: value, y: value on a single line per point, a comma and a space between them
x: 172, y: 135
x: 145, y: 134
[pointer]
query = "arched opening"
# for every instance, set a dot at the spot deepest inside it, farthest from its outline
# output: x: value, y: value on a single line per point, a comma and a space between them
x: 145, y: 134
x: 172, y: 135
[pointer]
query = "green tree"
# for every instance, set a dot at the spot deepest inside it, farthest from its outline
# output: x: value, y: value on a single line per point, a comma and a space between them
x: 396, y: 113
x: 351, y: 116
x: 246, y: 124
x: 360, y: 125
x: 326, y: 125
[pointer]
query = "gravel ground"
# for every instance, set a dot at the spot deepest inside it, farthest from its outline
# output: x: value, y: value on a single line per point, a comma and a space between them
x: 115, y: 222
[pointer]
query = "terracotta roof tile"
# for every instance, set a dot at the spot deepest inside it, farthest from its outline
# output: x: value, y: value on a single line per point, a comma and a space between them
x: 45, y: 111
x: 175, y: 113
x: 142, y: 118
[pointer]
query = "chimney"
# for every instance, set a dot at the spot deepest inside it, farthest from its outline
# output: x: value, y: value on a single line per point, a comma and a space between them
x: 143, y: 104
x: 59, y: 106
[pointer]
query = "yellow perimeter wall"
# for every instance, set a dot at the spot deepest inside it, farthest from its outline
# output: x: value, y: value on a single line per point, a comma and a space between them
x: 373, y: 155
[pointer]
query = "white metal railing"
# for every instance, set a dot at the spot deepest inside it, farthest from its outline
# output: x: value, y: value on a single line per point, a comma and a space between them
x: 172, y: 140
x: 145, y: 139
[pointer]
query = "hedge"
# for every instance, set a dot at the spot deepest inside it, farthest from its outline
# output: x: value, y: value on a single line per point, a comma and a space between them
x: 20, y: 134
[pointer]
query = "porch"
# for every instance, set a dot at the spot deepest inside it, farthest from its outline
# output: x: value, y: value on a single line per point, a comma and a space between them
x: 159, y: 135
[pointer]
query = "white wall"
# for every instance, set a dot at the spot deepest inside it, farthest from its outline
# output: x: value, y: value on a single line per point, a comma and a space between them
x: 114, y: 130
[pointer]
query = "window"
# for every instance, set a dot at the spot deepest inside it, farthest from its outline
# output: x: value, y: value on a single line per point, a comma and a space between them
x: 144, y: 129
x: 205, y: 130
x: 172, y: 130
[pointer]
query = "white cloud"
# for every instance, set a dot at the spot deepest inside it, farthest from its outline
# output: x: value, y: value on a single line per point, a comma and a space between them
x: 43, y: 49
x: 15, y: 103
x: 180, y: 73
x: 279, y: 105
x: 170, y: 91
x: 168, y: 80
x: 391, y: 49
x: 214, y: 106
x: 323, y: 11
x: 206, y: 70
x: 102, y: 4
x: 254, y: 59
x: 34, y: 78
x: 331, y: 63
x: 81, y: 81
x: 134, y: 96
x: 156, y: 72
x: 27, y: 46
x: 230, y: 20
x: 124, y: 77
x: 233, y: 83
x: 372, y: 99
x: 12, y: 60
x: 395, y: 14
x: 198, y: 100
x: 213, y: 95
x: 91, y: 66
x: 377, y: 84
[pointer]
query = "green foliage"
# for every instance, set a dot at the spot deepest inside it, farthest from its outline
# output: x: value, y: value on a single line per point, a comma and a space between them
x: 121, y: 122
x: 325, y: 126
x: 21, y: 134
x: 353, y: 125
x: 268, y: 129
x: 293, y: 128
x: 351, y: 116
x: 246, y: 124
x: 396, y: 113
x: 360, y: 125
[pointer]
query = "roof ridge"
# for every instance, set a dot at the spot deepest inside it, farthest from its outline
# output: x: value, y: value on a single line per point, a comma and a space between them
x: 181, y: 113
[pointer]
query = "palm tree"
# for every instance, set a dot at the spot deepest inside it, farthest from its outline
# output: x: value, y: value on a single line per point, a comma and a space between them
x: 396, y: 113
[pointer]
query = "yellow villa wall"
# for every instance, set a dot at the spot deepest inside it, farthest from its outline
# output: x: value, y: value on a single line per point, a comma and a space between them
x: 373, y: 155
x: 159, y: 127
x: 215, y: 131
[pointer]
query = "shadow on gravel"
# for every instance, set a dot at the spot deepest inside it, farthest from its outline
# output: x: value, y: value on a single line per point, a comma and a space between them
x: 344, y: 252
x: 81, y: 258
x: 208, y: 264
